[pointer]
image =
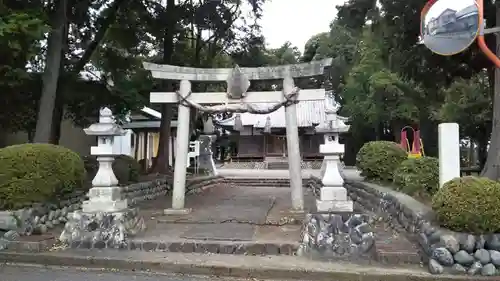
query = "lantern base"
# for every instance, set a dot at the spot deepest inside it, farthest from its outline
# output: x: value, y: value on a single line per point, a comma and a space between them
x: 102, y: 229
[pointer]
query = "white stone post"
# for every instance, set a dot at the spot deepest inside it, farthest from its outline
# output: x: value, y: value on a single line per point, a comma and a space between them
x: 449, y: 152
x: 292, y: 139
x: 333, y: 195
x: 105, y: 194
x: 181, y: 153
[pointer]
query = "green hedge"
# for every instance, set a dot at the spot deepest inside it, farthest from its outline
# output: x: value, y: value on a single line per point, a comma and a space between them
x: 126, y: 169
x: 379, y: 159
x: 32, y: 173
x: 418, y: 176
x: 469, y: 204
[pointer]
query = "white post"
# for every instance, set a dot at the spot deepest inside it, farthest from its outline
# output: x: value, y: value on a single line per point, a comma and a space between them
x: 292, y: 139
x: 449, y: 152
x: 182, y: 149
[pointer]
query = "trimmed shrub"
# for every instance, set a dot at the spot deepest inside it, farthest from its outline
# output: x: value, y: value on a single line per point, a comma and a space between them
x: 379, y: 159
x: 33, y: 173
x: 127, y: 169
x: 469, y: 204
x: 418, y: 176
x: 91, y: 165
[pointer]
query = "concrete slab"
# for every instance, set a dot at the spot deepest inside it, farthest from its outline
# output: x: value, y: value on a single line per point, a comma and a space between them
x: 230, y: 232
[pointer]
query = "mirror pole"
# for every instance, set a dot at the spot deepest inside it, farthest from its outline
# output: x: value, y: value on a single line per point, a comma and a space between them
x: 480, y: 39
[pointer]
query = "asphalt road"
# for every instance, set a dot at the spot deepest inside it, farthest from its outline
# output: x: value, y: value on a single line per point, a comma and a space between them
x: 449, y: 45
x: 41, y: 273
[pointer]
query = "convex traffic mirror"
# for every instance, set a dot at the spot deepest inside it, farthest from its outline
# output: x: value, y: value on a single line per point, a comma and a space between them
x: 448, y: 27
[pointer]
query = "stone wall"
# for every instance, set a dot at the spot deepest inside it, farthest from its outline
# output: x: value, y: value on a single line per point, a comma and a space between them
x: 40, y: 218
x: 337, y: 236
x: 447, y: 251
x: 148, y: 190
x: 198, y: 184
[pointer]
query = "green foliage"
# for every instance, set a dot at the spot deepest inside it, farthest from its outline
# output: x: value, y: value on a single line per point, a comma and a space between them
x: 376, y: 95
x: 469, y: 204
x: 340, y: 44
x: 418, y: 176
x: 22, y: 26
x: 127, y: 169
x: 379, y: 159
x: 31, y: 173
x: 468, y: 102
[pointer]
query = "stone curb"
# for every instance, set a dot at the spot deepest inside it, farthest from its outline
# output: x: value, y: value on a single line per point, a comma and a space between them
x: 257, y: 267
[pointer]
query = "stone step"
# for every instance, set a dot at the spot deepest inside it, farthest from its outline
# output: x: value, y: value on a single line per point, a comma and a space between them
x: 205, y: 246
x: 277, y: 166
x: 396, y: 254
x: 261, y: 182
x: 395, y: 249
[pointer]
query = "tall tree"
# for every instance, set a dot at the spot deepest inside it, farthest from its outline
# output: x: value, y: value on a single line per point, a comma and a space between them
x: 55, y: 45
x: 189, y: 20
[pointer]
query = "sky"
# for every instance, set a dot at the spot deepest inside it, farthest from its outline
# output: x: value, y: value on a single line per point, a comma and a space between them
x: 296, y: 20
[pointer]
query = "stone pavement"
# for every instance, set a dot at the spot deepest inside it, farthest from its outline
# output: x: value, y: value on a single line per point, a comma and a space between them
x: 246, y: 219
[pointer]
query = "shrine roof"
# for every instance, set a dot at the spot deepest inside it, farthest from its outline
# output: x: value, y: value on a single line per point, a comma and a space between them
x: 309, y: 114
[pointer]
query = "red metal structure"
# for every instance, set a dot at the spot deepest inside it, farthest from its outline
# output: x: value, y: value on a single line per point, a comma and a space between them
x: 416, y: 148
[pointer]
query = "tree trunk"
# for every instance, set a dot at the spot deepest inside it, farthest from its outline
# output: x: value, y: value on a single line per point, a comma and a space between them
x: 57, y: 115
x: 491, y: 169
x: 482, y: 152
x: 160, y: 164
x: 63, y: 85
x: 55, y: 44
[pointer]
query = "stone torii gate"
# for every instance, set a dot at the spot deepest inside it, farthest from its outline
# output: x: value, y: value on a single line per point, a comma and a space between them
x: 236, y: 99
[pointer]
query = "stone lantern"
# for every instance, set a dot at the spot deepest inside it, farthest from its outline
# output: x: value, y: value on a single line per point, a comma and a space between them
x: 105, y: 219
x: 333, y: 195
x: 105, y: 194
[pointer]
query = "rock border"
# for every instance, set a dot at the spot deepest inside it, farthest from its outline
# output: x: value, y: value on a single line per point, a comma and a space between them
x: 447, y: 251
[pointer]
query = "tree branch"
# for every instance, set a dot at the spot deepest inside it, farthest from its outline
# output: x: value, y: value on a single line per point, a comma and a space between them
x: 112, y: 12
